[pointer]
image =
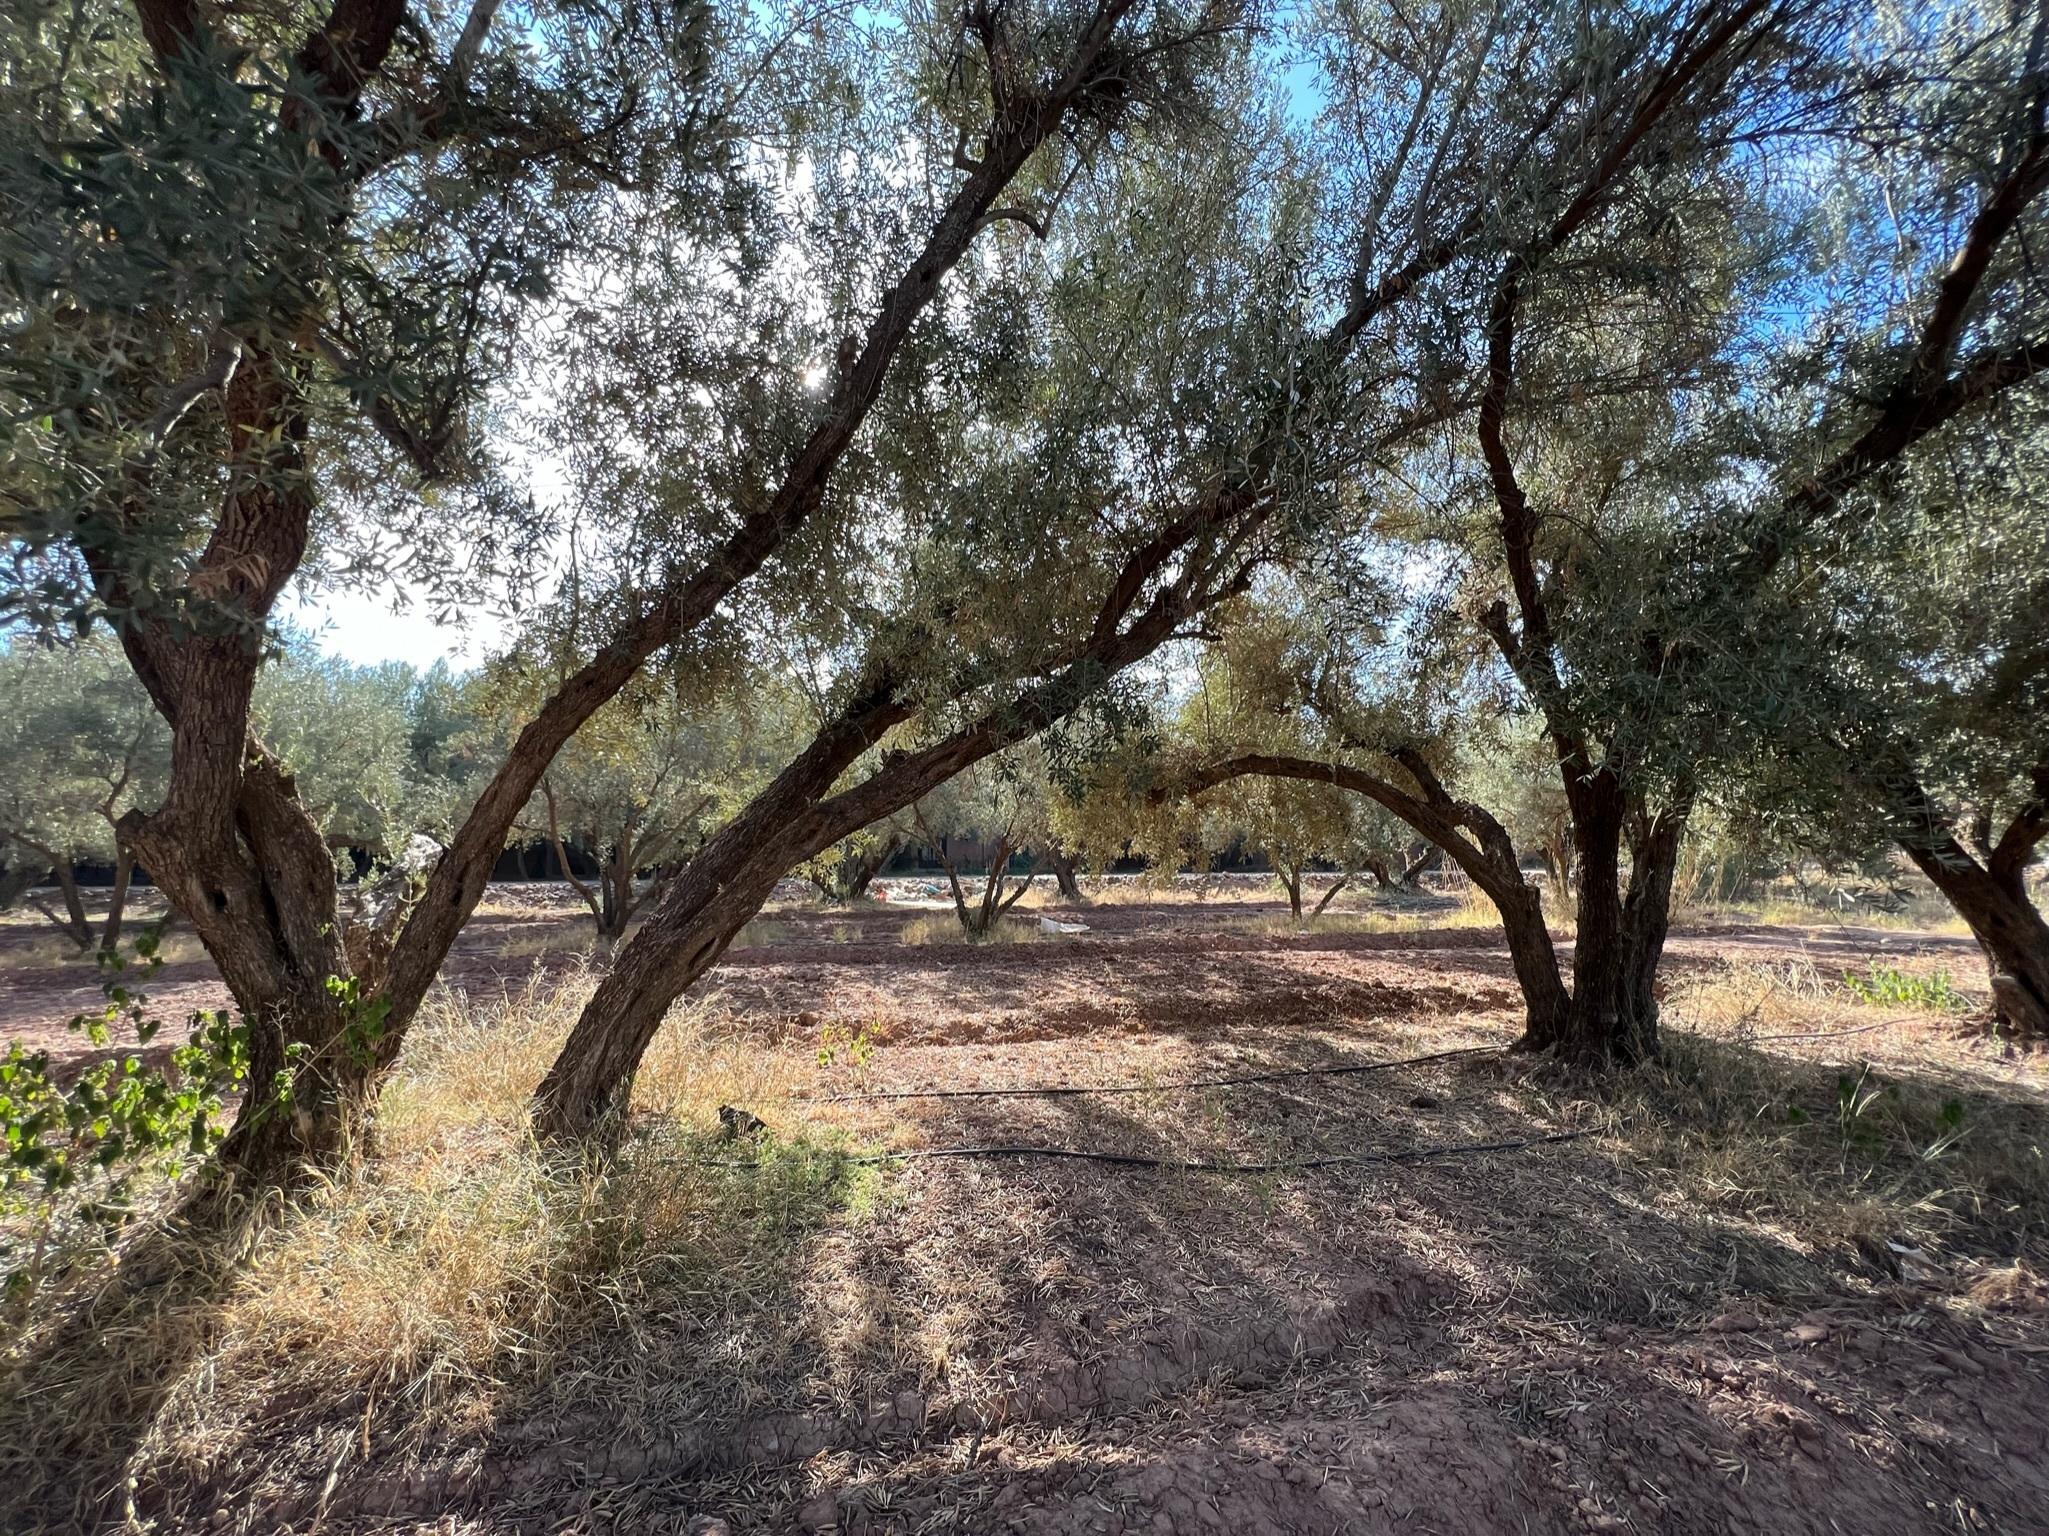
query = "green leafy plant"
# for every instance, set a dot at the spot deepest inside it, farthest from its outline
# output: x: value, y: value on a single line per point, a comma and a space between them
x: 72, y: 1152
x: 1890, y: 987
x: 840, y: 1044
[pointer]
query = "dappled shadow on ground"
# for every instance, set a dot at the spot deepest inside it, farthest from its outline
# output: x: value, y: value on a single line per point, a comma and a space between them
x: 1551, y: 1337
x: 1622, y: 1332
x: 83, y: 1399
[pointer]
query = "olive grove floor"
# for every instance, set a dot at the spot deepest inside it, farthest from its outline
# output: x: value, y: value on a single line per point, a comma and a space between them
x: 1787, y: 1280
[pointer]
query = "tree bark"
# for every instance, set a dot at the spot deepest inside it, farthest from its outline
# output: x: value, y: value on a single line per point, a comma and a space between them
x: 2009, y: 929
x: 796, y: 817
x: 1291, y: 882
x: 117, y: 902
x: 1331, y: 895
x: 1613, y: 1017
x: 866, y: 869
x: 74, y: 924
x: 1428, y: 861
x: 703, y: 907
x: 1064, y: 875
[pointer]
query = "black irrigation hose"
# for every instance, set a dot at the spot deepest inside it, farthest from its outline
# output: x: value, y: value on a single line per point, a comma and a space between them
x: 1054, y: 1091
x: 1176, y: 1165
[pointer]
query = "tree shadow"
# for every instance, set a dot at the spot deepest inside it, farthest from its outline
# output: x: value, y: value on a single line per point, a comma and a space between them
x: 1504, y: 1324
x: 115, y: 1338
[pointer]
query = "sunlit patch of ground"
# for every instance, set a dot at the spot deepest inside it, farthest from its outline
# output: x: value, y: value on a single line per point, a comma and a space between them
x: 1787, y: 1278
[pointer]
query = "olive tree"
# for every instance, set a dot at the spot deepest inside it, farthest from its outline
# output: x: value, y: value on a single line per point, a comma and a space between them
x: 1218, y: 362
x: 267, y: 281
x: 1654, y: 462
x: 79, y: 747
x: 1914, y: 674
x: 1003, y: 803
x: 645, y: 781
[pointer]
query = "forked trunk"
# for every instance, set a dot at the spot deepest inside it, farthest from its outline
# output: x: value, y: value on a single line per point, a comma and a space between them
x: 1291, y: 882
x: 859, y: 872
x: 1428, y: 861
x: 615, y: 894
x: 1612, y: 1019
x: 74, y: 923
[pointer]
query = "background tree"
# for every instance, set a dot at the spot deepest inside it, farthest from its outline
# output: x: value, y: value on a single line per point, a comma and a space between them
x: 1003, y: 804
x: 644, y: 781
x: 1917, y: 669
x: 347, y: 735
x: 79, y: 747
x: 1652, y: 466
x: 844, y: 871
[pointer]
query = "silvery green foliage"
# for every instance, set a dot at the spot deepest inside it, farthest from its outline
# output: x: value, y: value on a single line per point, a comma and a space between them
x: 79, y: 747
x: 156, y: 225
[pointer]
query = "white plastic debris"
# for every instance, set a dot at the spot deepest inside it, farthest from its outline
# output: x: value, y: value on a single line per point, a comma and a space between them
x: 1054, y: 925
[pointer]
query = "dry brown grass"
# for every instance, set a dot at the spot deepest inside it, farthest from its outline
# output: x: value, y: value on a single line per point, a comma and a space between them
x: 1015, y: 927
x: 1784, y: 1100
x: 446, y: 1279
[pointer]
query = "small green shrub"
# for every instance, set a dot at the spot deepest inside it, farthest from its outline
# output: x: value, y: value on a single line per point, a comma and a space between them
x: 1887, y: 986
x: 72, y: 1154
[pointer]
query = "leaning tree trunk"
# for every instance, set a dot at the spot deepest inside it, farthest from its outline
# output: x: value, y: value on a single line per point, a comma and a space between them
x: 869, y: 865
x: 75, y: 925
x: 1331, y: 895
x: 1546, y: 1004
x: 702, y: 910
x: 117, y: 902
x: 697, y: 916
x: 2009, y: 929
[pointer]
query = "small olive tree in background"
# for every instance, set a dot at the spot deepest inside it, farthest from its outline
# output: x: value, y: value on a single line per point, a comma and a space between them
x: 80, y: 746
x: 1003, y: 804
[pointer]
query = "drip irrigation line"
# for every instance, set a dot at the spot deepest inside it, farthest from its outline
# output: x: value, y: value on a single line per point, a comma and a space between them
x: 1178, y: 1165
x: 1064, y: 1090
x: 1809, y: 1034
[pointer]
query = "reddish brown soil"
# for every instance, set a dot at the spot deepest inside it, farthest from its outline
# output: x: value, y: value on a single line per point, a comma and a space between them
x: 1533, y: 1341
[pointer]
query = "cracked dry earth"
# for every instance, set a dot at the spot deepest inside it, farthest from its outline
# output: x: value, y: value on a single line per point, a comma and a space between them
x: 1548, y: 1339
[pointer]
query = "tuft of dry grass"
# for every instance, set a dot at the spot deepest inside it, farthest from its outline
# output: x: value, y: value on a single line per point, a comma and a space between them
x: 462, y: 1270
x: 1782, y: 1102
x: 944, y: 928
x: 1744, y: 998
x: 1921, y: 912
x: 1830, y: 1154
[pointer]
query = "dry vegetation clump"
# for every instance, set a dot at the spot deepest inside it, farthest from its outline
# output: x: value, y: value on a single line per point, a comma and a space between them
x: 945, y: 928
x: 455, y: 1274
x: 1840, y: 1119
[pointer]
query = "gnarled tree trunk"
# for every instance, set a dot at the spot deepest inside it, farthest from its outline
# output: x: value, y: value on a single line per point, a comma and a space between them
x: 1064, y: 875
x: 2008, y: 927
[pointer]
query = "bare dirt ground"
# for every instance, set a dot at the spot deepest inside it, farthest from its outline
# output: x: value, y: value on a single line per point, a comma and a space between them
x: 1744, y: 1299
